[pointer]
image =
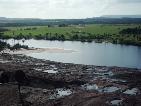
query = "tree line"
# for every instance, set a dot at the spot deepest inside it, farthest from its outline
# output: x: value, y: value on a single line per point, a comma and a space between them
x: 136, y: 31
x: 128, y: 36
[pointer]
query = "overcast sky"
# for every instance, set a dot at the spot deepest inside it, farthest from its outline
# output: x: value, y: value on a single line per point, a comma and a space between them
x: 56, y: 9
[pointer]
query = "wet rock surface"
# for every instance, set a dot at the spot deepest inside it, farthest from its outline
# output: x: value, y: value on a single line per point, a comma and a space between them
x: 64, y: 84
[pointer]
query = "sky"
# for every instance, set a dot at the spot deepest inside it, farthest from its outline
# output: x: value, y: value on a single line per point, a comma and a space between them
x: 67, y: 9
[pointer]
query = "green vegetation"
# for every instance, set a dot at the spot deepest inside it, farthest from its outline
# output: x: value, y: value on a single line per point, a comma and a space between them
x: 114, y: 33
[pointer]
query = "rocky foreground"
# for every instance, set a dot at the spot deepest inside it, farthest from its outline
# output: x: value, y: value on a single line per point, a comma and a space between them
x: 63, y: 84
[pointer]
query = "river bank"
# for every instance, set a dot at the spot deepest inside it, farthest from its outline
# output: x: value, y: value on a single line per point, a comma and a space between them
x: 64, y: 84
x: 38, y: 50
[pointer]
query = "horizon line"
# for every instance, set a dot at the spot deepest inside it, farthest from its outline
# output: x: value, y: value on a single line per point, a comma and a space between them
x: 70, y: 18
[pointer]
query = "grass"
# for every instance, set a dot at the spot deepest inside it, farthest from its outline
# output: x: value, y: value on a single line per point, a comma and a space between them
x: 98, y: 32
x: 93, y: 29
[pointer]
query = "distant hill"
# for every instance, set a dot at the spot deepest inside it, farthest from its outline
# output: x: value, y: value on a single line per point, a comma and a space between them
x: 121, y: 16
x: 106, y: 19
x: 3, y: 18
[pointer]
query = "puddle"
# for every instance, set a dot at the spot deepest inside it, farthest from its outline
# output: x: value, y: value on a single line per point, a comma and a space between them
x: 89, y: 69
x: 90, y: 87
x: 118, y: 80
x: 53, y: 67
x: 133, y: 91
x: 116, y: 102
x: 3, y: 61
x: 39, y: 64
x: 50, y: 71
x: 103, y: 70
x: 37, y: 69
x: 60, y: 92
x: 110, y: 89
x: 104, y: 73
x: 45, y: 90
x: 47, y: 71
x: 100, y: 89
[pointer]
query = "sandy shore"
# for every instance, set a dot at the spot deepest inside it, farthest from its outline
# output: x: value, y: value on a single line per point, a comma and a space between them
x: 39, y: 50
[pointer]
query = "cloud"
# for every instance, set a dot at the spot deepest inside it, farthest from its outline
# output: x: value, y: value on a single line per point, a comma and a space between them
x: 64, y: 8
x: 129, y: 1
x: 52, y: 8
x: 126, y: 8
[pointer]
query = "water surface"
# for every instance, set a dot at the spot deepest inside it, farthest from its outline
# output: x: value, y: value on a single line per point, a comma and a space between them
x: 102, y: 54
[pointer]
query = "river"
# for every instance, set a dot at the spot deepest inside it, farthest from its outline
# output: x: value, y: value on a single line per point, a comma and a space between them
x: 101, y: 54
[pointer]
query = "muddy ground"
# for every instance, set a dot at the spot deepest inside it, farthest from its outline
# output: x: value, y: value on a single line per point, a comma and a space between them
x: 51, y: 83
